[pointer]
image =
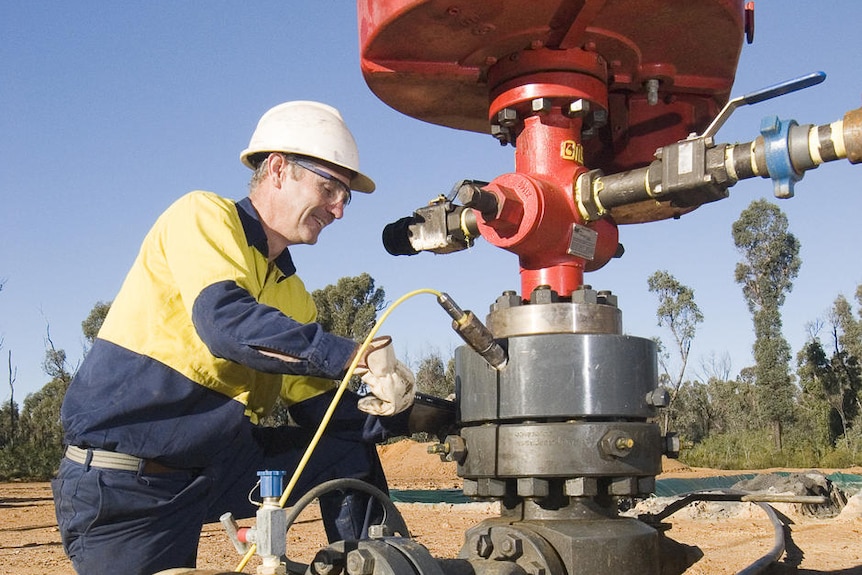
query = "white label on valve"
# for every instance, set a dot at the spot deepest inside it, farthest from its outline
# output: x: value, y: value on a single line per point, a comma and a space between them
x: 686, y: 158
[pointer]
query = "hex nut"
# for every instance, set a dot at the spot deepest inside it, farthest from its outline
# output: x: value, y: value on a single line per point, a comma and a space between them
x: 360, y: 562
x: 484, y: 546
x: 658, y: 397
x: 511, y: 547
x: 616, y: 443
x: 456, y: 449
x: 327, y: 562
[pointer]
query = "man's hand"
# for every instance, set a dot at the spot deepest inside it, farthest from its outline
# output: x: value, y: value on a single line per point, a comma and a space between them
x: 390, y: 382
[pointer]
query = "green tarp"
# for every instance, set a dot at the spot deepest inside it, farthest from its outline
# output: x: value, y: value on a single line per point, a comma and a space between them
x: 669, y: 487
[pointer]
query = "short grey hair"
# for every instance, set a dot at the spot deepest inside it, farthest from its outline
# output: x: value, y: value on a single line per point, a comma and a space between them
x: 262, y: 168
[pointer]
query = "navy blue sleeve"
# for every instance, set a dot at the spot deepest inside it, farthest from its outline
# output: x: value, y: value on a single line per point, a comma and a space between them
x: 235, y: 326
x: 348, y: 421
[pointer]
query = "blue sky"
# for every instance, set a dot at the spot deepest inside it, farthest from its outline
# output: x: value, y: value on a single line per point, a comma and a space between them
x: 111, y: 110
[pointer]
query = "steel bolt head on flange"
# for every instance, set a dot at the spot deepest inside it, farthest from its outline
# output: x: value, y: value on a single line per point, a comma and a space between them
x: 327, y: 562
x: 360, y: 562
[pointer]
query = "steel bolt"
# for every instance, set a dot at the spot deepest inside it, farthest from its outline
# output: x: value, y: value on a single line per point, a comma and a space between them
x: 507, y: 117
x: 532, y: 487
x: 360, y: 562
x: 606, y: 297
x: 658, y: 397
x: 379, y: 531
x: 511, y: 547
x: 484, y: 546
x: 541, y: 105
x: 579, y: 107
x: 652, y: 91
x: 585, y: 294
x: 535, y: 568
x: 509, y: 299
x: 501, y: 133
x: 456, y: 449
x: 646, y: 484
x: 625, y: 443
x: 600, y: 118
x: 623, y: 486
x: 617, y: 443
x: 327, y: 562
x: 543, y: 294
x: 672, y: 445
x: 581, y: 487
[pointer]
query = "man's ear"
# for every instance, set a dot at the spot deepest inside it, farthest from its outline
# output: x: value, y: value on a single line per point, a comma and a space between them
x: 275, y: 164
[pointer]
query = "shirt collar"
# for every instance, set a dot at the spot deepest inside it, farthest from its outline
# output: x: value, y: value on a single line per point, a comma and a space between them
x: 256, y: 237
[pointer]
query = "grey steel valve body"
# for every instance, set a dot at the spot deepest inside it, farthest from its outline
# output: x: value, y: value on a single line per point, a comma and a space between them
x: 560, y: 435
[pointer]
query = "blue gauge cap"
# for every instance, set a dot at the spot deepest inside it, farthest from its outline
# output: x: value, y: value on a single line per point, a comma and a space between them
x: 270, y: 483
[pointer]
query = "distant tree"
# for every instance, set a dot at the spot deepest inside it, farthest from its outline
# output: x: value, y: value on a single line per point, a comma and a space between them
x: 831, y: 384
x: 735, y: 403
x: 349, y: 308
x: 432, y: 378
x: 849, y: 327
x: 692, y: 412
x: 715, y: 367
x: 38, y: 443
x: 94, y: 321
x: 40, y: 429
x: 770, y: 262
x: 2, y: 283
x: 9, y: 411
x: 678, y: 312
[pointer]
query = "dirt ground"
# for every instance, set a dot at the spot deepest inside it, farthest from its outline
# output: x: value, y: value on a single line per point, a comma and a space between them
x: 731, y: 537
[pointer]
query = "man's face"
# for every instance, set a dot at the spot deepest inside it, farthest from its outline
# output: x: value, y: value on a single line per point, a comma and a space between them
x: 313, y: 196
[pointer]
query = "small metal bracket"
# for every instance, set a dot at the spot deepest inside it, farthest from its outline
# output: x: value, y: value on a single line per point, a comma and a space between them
x: 583, y: 242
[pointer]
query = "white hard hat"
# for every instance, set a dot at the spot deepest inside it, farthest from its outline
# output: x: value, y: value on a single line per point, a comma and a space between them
x: 308, y: 129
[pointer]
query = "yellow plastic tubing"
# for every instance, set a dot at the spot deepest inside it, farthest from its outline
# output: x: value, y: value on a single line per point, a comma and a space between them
x: 328, y: 415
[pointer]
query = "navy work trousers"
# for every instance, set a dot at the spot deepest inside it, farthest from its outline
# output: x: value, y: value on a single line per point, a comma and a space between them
x: 143, y: 524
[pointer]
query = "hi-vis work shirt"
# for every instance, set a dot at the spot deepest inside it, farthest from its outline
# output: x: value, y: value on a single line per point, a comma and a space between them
x: 177, y: 372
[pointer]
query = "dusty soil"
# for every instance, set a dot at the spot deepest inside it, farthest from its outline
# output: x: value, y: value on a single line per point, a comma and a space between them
x: 730, y: 536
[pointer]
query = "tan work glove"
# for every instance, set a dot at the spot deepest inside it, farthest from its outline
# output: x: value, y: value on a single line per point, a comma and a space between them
x: 390, y: 382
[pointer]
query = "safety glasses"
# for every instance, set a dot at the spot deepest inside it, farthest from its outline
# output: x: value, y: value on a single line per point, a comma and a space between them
x: 334, y: 191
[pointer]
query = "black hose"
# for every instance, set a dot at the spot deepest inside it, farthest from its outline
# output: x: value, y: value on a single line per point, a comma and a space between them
x: 758, y: 566
x: 774, y: 554
x: 391, y: 516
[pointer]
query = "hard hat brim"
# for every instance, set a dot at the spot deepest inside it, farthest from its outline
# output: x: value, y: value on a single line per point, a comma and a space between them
x: 362, y: 183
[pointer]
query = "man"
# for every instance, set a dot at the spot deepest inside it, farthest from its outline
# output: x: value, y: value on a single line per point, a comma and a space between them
x: 210, y: 327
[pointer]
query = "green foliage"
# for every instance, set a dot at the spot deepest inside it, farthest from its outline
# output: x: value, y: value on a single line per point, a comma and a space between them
x: 36, y: 445
x: 94, y: 321
x: 770, y: 255
x: 770, y: 263
x: 678, y: 312
x: 349, y: 308
x: 433, y: 379
x: 831, y: 385
x: 32, y: 448
x: 716, y: 407
x: 29, y: 461
x: 691, y: 415
x: 755, y: 450
x: 8, y: 423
